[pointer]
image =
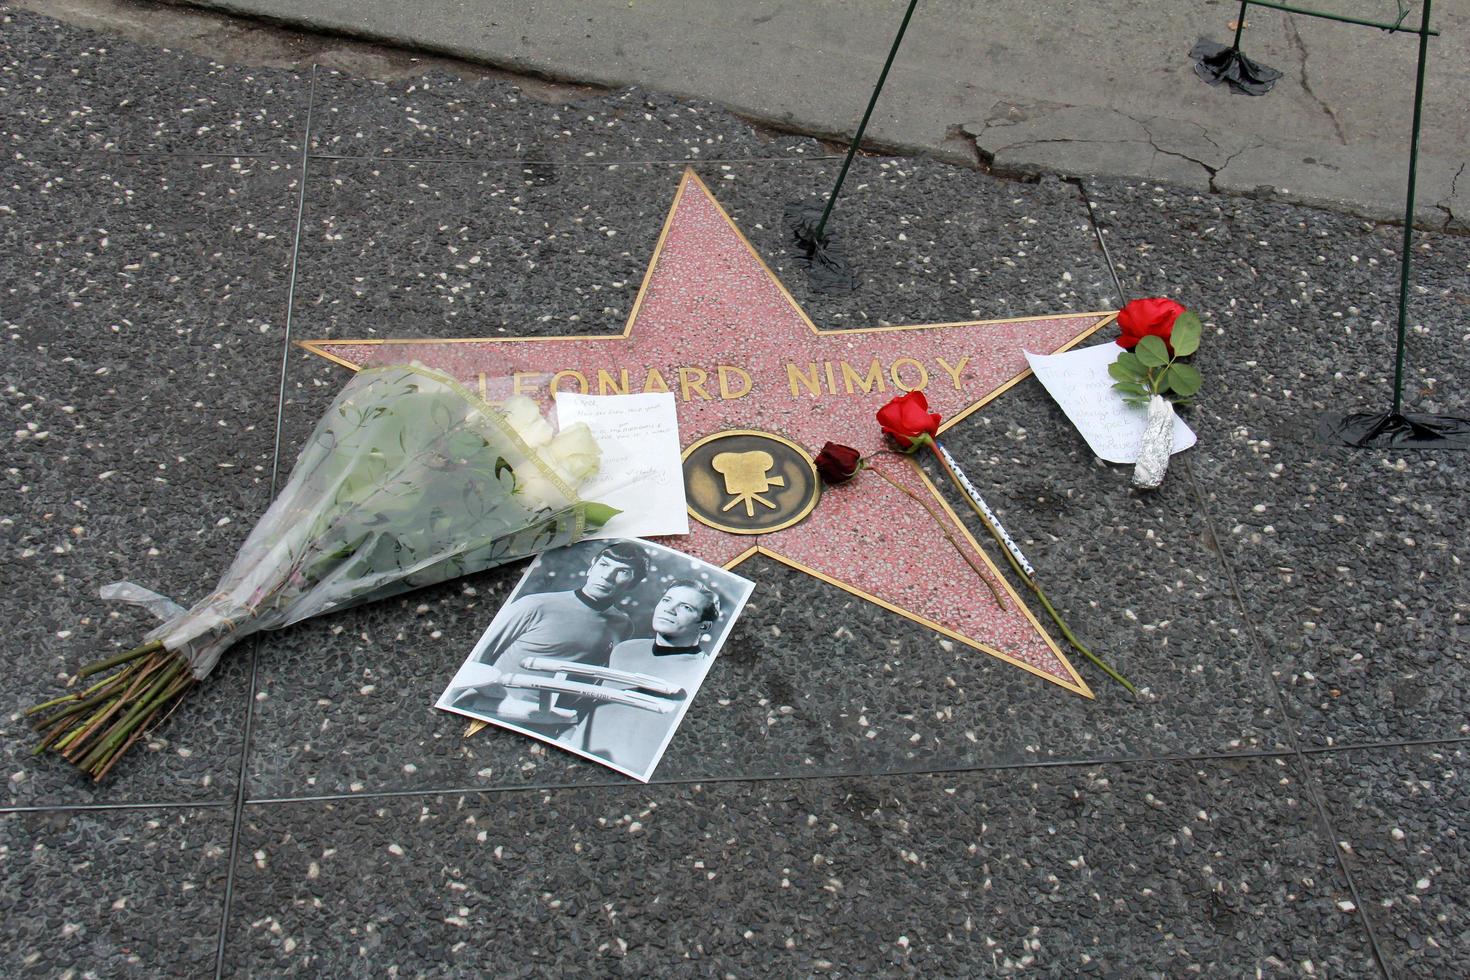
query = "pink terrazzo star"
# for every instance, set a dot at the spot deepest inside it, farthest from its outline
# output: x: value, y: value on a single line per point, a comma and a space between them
x: 714, y: 325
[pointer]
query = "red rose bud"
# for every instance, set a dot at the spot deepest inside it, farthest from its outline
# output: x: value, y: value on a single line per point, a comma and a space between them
x: 837, y: 463
x: 907, y: 418
x: 1144, y: 317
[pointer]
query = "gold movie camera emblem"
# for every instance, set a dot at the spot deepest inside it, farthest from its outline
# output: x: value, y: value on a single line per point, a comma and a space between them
x: 747, y: 476
x: 748, y: 482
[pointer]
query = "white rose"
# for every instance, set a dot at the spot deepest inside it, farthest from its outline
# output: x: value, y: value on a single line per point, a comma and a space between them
x: 574, y: 453
x: 525, y: 418
x: 537, y: 492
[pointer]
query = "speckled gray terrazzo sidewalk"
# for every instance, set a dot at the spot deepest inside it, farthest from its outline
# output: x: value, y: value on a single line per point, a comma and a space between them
x: 851, y: 795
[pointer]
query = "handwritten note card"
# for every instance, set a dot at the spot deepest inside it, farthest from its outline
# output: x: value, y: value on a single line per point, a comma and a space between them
x: 642, y: 471
x: 1079, y: 382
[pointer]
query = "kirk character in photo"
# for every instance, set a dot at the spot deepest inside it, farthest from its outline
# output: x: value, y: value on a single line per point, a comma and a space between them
x: 687, y: 626
x: 579, y: 625
x: 605, y: 670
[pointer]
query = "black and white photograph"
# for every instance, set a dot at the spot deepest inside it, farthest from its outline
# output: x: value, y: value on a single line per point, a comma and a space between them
x: 600, y: 650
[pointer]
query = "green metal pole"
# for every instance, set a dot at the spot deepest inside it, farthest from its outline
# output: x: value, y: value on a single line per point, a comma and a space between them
x: 1239, y: 24
x: 1407, y: 263
x: 858, y: 136
x: 1395, y: 27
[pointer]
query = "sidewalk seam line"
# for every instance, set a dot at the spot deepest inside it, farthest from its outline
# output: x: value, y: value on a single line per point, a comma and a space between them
x: 1087, y: 203
x: 1308, y: 774
x: 102, y: 807
x: 1116, y: 760
x: 242, y: 781
x: 544, y: 162
x: 50, y: 155
x: 958, y: 770
x: 1258, y: 653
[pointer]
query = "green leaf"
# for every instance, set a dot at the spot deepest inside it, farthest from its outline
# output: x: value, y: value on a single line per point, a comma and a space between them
x: 1119, y: 371
x: 1152, y: 352
x: 599, y: 514
x: 1185, y: 379
x: 1132, y: 365
x: 1184, y: 338
x: 1132, y: 388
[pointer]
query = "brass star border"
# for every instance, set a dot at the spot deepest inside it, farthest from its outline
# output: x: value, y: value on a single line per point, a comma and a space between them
x: 708, y: 296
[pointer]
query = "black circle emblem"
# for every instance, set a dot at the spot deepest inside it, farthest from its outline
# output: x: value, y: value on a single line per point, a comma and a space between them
x: 748, y: 482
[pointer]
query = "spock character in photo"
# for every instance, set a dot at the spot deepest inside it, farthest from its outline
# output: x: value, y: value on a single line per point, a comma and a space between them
x: 580, y: 625
x: 632, y: 737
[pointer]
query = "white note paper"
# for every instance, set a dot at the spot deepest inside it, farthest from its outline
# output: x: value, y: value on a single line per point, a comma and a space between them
x: 642, y: 472
x: 1079, y: 382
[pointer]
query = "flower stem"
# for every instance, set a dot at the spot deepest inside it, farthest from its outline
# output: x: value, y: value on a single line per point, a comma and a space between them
x: 1034, y: 585
x: 1077, y: 644
x: 119, y: 743
x: 121, y: 658
x: 995, y: 592
x: 79, y: 708
x: 126, y: 685
x: 140, y: 712
x: 94, y: 728
x: 76, y: 696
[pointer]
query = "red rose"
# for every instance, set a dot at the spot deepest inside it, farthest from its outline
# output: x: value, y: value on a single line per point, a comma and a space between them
x: 1144, y: 317
x: 907, y: 418
x: 837, y: 463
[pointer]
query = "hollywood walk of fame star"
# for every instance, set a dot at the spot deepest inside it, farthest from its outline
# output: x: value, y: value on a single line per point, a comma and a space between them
x: 712, y: 323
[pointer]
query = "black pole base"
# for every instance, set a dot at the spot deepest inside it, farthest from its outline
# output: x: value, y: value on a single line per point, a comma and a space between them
x: 828, y: 268
x: 1393, y: 430
x: 1217, y: 63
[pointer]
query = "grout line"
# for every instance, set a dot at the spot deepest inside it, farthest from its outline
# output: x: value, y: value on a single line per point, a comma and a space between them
x: 1308, y: 775
x: 1081, y: 186
x: 1118, y: 760
x: 544, y: 162
x: 77, y: 156
x: 1406, y: 743
x: 959, y: 770
x: 48, y: 155
x: 242, y: 783
x: 83, y: 807
x: 291, y: 293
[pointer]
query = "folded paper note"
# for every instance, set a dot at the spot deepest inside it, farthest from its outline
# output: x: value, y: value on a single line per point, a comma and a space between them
x: 642, y: 471
x: 1078, y: 381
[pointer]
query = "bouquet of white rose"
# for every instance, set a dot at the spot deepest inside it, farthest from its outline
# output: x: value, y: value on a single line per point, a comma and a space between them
x: 408, y: 480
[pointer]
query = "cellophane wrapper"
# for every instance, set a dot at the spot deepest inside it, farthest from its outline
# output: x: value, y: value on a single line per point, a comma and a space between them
x: 408, y: 480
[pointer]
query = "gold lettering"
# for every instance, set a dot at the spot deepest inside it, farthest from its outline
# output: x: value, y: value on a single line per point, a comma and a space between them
x: 581, y: 380
x: 953, y: 372
x: 874, y: 377
x: 608, y: 385
x: 724, y: 370
x: 484, y: 388
x: 898, y: 379
x: 795, y: 374
x: 654, y: 375
x: 531, y: 377
x: 692, y: 379
x: 831, y: 382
